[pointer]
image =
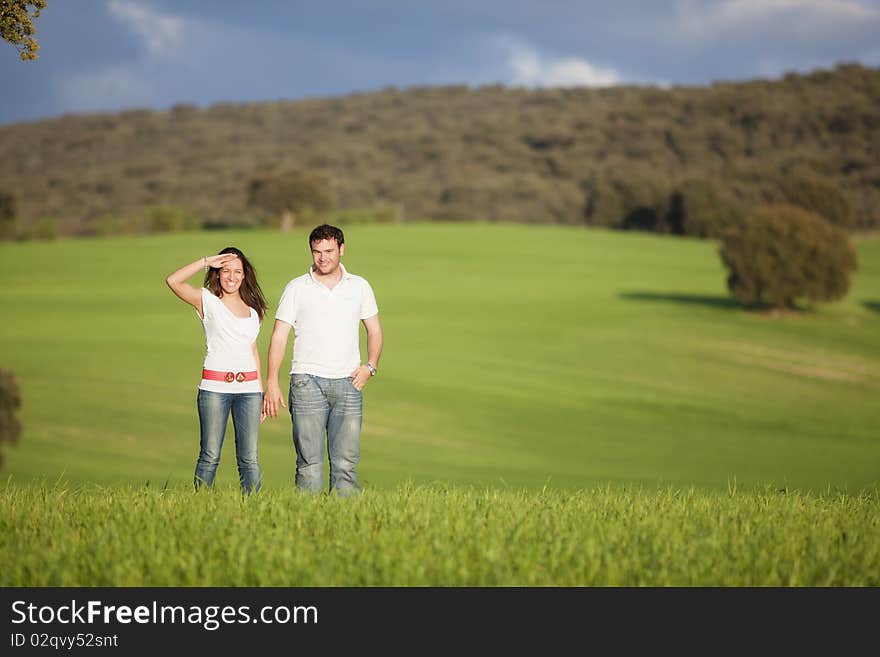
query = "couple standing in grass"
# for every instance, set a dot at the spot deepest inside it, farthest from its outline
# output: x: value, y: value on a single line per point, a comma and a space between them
x: 324, y: 307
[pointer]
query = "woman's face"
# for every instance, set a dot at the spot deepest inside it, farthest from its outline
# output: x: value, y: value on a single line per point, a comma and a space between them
x: 231, y: 276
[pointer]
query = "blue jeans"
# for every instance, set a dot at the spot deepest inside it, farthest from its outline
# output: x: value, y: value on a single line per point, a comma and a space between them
x: 214, y: 409
x: 330, y: 409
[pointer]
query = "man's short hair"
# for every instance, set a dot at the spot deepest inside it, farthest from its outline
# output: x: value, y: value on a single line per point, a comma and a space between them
x: 326, y: 232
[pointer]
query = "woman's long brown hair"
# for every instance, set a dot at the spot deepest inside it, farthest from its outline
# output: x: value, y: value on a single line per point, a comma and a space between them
x: 250, y: 290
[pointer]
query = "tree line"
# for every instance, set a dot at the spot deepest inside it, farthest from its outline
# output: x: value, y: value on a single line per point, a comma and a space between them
x: 681, y: 160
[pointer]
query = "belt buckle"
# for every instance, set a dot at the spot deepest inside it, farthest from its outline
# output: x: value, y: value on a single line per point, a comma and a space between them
x: 239, y: 376
x: 230, y: 377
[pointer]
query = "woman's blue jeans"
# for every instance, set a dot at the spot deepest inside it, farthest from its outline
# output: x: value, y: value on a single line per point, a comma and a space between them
x: 214, y: 410
x: 328, y: 410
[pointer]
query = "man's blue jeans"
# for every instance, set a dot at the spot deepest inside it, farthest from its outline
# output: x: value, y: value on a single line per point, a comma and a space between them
x: 332, y: 410
x: 214, y: 409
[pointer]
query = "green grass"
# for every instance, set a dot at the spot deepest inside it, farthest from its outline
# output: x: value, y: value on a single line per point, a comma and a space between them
x: 554, y: 407
x: 516, y: 356
x: 436, y: 536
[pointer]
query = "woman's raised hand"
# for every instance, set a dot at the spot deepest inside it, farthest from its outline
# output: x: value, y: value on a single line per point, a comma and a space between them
x: 217, y: 261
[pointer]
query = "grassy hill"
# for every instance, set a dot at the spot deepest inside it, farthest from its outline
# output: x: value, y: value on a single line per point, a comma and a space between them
x: 602, y: 157
x: 516, y: 356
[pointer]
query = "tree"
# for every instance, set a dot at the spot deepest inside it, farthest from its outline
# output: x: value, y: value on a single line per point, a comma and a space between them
x: 703, y: 208
x: 7, y: 216
x: 291, y: 193
x: 782, y: 253
x: 634, y: 199
x: 17, y: 27
x: 10, y: 401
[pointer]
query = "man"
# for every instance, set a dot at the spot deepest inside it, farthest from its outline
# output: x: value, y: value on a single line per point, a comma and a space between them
x: 324, y: 307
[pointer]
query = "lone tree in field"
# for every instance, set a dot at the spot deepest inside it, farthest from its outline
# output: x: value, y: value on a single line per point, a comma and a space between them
x: 17, y: 27
x: 10, y: 401
x: 291, y: 194
x: 782, y: 253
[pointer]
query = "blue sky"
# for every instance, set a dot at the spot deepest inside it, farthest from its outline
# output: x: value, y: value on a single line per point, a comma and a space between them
x: 109, y: 55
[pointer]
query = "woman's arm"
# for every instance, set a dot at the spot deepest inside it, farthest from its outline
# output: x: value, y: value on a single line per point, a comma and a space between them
x: 177, y: 280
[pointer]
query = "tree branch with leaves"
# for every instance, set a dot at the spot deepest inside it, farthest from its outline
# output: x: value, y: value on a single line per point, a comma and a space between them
x: 17, y: 26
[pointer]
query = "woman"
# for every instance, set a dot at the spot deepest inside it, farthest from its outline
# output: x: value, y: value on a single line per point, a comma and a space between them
x: 231, y: 307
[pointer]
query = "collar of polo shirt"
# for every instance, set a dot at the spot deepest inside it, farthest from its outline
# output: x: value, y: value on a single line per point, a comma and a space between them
x: 345, y: 275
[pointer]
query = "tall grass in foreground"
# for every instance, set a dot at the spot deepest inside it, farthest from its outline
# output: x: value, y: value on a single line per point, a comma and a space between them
x: 436, y: 536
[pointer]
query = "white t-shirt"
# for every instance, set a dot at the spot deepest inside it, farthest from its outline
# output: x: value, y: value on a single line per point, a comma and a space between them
x: 326, y: 323
x: 230, y: 344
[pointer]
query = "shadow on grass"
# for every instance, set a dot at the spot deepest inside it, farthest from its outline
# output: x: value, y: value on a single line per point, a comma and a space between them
x: 872, y: 305
x: 683, y: 299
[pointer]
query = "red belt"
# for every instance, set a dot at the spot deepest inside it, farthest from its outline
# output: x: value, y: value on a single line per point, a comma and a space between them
x: 229, y: 377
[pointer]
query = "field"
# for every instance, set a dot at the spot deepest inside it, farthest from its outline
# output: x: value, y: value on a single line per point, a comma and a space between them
x: 515, y: 357
x: 436, y: 536
x: 524, y: 368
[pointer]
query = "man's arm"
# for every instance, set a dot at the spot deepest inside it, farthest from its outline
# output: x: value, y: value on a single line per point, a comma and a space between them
x: 374, y: 351
x: 277, y: 347
x: 259, y: 376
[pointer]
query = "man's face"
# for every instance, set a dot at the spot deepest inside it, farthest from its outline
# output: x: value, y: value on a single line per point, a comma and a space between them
x: 325, y: 256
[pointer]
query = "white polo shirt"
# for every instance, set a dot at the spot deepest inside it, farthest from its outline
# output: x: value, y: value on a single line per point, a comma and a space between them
x: 326, y: 323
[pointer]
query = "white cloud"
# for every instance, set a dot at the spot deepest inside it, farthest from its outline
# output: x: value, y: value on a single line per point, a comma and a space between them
x: 106, y: 89
x: 530, y: 68
x: 135, y: 83
x: 784, y: 19
x: 161, y: 34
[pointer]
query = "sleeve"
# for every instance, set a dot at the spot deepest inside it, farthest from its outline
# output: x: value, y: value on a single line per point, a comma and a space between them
x: 287, y: 306
x: 368, y: 302
x: 208, y: 299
